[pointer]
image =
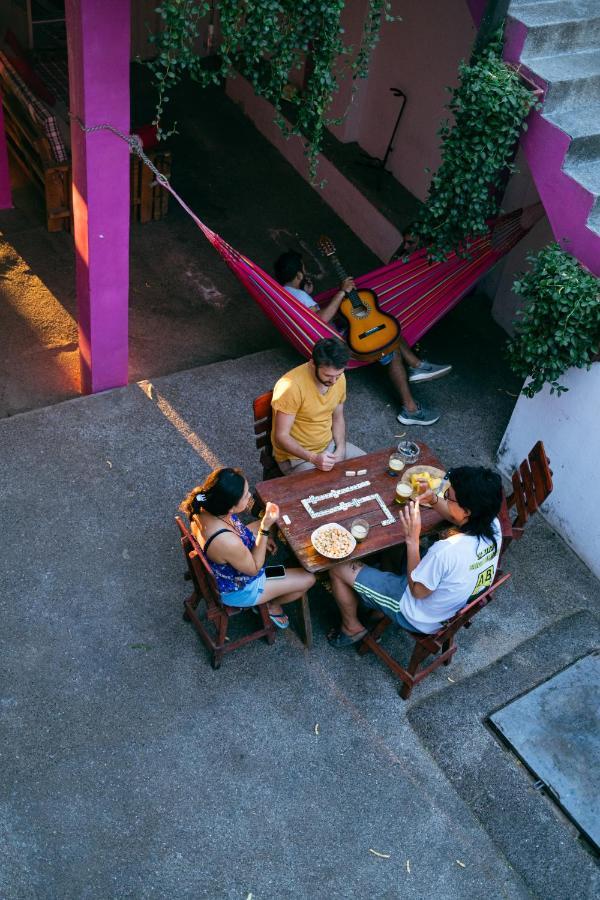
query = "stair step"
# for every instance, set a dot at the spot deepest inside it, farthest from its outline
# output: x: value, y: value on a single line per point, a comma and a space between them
x: 547, y: 12
x: 582, y: 124
x: 587, y: 174
x: 573, y: 78
x: 563, y: 34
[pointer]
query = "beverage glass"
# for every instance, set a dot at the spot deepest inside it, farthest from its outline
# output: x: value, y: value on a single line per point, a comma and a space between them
x: 409, y: 452
x: 395, y: 464
x: 403, y: 493
x: 359, y: 529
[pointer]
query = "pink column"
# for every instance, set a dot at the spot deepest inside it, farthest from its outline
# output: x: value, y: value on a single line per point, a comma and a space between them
x: 5, y: 194
x: 99, y: 50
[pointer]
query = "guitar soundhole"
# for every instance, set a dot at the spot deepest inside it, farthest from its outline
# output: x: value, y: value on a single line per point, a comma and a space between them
x: 362, y: 312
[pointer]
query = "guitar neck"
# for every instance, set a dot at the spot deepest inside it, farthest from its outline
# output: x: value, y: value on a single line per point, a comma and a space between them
x: 342, y: 274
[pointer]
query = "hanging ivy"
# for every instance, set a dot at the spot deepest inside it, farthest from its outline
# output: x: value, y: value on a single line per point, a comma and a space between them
x: 265, y: 40
x: 489, y: 106
x: 559, y: 326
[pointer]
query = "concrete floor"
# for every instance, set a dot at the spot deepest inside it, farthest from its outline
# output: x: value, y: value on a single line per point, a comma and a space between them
x: 131, y: 768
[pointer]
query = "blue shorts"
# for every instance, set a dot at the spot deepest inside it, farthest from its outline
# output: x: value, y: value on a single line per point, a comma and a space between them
x: 382, y: 591
x: 386, y: 360
x: 246, y: 596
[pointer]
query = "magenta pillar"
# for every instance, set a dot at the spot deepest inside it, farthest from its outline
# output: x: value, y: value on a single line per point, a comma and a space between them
x: 99, y: 52
x: 5, y: 194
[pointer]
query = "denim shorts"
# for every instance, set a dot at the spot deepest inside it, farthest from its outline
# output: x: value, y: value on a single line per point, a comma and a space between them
x: 246, y: 596
x: 382, y: 591
x: 386, y: 360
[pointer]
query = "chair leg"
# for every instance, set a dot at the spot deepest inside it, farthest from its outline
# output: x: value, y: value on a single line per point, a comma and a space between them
x: 446, y: 646
x: 221, y: 635
x: 374, y: 634
x: 267, y: 624
x: 418, y: 655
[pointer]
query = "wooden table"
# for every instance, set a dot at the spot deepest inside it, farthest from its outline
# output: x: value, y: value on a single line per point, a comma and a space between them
x: 289, y: 491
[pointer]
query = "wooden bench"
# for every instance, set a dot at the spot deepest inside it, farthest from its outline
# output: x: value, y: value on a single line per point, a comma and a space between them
x: 30, y: 148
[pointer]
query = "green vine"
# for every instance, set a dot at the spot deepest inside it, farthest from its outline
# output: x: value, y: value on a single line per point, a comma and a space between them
x: 559, y: 326
x: 265, y: 40
x: 489, y: 106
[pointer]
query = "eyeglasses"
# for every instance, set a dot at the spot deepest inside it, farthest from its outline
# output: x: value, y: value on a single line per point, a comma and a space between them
x: 447, y: 477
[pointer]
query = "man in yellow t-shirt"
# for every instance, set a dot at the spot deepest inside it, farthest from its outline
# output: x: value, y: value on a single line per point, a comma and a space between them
x: 309, y: 430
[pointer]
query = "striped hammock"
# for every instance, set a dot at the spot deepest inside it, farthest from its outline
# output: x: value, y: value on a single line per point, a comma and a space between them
x: 416, y: 293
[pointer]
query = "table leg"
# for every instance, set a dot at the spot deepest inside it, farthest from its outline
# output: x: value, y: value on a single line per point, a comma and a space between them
x: 306, y: 621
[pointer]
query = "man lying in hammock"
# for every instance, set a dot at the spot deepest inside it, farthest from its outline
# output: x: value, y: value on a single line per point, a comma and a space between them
x: 402, y: 367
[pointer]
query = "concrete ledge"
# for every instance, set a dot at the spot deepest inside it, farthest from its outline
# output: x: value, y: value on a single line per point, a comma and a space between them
x: 487, y: 777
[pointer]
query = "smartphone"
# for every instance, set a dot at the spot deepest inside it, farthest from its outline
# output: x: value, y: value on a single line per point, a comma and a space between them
x: 275, y: 571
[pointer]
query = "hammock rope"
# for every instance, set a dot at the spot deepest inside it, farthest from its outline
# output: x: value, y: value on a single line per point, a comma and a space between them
x: 417, y: 293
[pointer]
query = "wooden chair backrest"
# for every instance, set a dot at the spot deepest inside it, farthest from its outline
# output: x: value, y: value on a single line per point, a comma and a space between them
x: 464, y: 615
x: 532, y: 483
x: 263, y: 423
x: 201, y: 573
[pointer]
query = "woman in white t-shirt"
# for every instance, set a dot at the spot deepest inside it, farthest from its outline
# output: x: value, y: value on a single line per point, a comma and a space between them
x: 456, y: 568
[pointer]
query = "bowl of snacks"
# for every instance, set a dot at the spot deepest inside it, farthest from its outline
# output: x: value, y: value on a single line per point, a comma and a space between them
x: 333, y: 541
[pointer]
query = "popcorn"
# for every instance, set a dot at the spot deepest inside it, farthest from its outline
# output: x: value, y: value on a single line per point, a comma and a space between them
x: 333, y: 541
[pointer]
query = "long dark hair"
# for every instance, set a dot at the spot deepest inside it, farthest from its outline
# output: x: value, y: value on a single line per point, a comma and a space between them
x: 480, y: 491
x: 222, y: 490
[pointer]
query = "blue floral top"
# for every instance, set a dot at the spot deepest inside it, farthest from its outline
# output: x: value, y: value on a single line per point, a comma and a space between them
x: 228, y: 578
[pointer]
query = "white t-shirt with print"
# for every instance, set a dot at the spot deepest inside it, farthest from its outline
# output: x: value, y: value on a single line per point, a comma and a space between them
x: 454, y: 569
x: 302, y: 296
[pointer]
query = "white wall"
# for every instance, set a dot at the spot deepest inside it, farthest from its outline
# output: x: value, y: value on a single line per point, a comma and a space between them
x: 569, y: 426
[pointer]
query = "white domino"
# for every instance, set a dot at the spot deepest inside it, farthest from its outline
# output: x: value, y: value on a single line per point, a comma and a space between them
x: 287, y: 520
x: 350, y: 473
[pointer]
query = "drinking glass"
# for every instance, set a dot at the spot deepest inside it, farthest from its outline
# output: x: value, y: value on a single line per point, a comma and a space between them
x: 359, y: 529
x: 395, y: 463
x: 404, y: 493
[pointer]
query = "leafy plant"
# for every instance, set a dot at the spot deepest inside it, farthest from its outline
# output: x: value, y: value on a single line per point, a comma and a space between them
x: 559, y: 326
x: 265, y: 40
x: 489, y: 106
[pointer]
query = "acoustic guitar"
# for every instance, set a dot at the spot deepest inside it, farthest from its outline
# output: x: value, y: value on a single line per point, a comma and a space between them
x: 371, y: 333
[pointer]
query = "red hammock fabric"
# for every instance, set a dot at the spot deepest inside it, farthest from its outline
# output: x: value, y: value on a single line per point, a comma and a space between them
x: 417, y: 293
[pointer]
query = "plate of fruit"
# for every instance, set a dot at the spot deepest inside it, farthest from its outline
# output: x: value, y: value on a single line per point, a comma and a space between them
x: 423, y: 478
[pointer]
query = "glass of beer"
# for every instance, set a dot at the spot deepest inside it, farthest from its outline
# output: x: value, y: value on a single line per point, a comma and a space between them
x: 403, y: 493
x: 395, y: 464
x: 359, y: 529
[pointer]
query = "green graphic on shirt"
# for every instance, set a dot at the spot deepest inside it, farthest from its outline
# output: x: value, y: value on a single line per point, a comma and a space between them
x: 485, y: 580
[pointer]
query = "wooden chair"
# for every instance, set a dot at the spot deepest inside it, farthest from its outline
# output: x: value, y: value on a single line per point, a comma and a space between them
x: 263, y: 422
x: 442, y: 642
x: 532, y: 483
x: 217, y: 613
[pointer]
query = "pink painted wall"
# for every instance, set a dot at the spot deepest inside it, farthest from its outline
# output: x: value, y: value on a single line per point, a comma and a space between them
x: 420, y: 55
x: 353, y: 207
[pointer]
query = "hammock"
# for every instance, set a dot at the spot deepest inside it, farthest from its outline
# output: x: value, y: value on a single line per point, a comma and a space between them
x: 416, y: 292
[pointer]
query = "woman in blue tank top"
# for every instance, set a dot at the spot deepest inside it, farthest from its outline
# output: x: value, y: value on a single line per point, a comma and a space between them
x: 236, y: 552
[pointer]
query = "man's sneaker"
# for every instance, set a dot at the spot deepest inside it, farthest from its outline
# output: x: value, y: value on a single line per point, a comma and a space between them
x: 420, y: 416
x: 427, y: 371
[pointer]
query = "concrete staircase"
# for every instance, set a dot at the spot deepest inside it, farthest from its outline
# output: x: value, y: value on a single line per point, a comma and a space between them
x: 557, y: 44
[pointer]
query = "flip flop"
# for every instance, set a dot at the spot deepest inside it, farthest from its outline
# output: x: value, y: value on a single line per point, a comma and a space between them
x: 279, y: 619
x: 340, y: 639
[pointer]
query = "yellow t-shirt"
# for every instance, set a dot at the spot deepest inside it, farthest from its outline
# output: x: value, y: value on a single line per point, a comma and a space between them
x: 297, y: 394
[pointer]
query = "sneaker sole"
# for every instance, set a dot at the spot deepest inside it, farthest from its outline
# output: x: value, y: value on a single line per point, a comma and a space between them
x: 405, y: 421
x: 429, y: 376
